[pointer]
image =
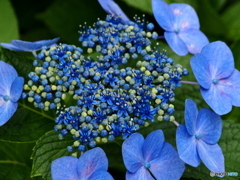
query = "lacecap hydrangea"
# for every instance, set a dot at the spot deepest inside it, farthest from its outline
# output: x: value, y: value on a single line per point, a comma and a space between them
x: 97, y: 97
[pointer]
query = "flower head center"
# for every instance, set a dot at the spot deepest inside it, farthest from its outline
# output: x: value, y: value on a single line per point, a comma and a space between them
x: 147, y: 165
x: 215, y: 81
x: 198, y: 136
x: 6, y: 98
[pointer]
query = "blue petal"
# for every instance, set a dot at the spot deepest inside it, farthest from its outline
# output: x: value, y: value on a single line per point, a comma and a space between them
x: 100, y: 175
x: 64, y: 168
x: 168, y: 165
x: 142, y: 173
x: 132, y: 152
x: 219, y: 58
x: 91, y: 161
x: 190, y: 115
x: 209, y: 125
x: 231, y: 87
x: 33, y: 46
x: 7, y: 109
x: 218, y: 101
x: 112, y: 8
x: 176, y: 44
x: 211, y: 156
x: 16, y: 89
x: 152, y: 145
x: 10, y: 46
x: 194, y: 39
x: 201, y: 71
x: 186, y: 145
x: 7, y: 75
x: 185, y: 16
x: 163, y: 15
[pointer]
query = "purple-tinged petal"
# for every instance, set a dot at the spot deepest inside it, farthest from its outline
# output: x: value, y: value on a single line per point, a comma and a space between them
x: 231, y: 87
x: 112, y: 8
x: 152, y: 145
x: 142, y: 173
x: 91, y: 161
x: 187, y: 148
x: 176, y: 44
x: 194, y: 39
x: 209, y: 126
x: 132, y: 152
x: 163, y: 15
x: 200, y: 67
x: 10, y: 46
x: 7, y: 75
x: 33, y: 46
x: 168, y: 165
x: 7, y: 109
x: 216, y: 99
x: 211, y: 156
x: 190, y: 115
x: 100, y: 175
x: 185, y: 16
x: 219, y: 58
x: 16, y: 89
x: 64, y: 168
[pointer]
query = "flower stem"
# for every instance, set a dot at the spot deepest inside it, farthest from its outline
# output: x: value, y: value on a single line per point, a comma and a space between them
x: 176, y: 123
x: 189, y: 82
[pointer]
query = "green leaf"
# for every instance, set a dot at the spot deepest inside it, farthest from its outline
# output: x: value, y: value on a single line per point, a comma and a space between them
x: 64, y: 17
x: 47, y: 149
x: 231, y: 18
x: 28, y: 124
x: 143, y: 5
x: 22, y: 64
x: 8, y: 25
x: 15, y: 163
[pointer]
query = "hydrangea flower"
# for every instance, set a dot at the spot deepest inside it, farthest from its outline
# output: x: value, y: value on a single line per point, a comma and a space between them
x: 198, y: 139
x: 19, y: 45
x: 92, y: 165
x: 219, y: 80
x: 152, y: 154
x: 112, y: 8
x: 181, y: 26
x: 11, y: 87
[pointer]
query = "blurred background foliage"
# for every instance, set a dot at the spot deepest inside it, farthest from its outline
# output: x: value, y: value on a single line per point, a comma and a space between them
x: 46, y: 19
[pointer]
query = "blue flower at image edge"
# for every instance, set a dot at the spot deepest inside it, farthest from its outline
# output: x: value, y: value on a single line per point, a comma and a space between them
x: 11, y: 86
x: 181, y: 26
x: 18, y: 45
x: 92, y: 165
x: 198, y: 139
x: 219, y: 80
x: 152, y: 154
x: 112, y: 8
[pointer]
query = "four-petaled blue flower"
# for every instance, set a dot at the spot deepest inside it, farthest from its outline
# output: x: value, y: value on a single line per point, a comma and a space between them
x: 112, y: 8
x: 219, y: 80
x: 92, y: 165
x: 152, y: 154
x: 198, y: 139
x: 11, y: 86
x: 18, y: 45
x: 181, y: 24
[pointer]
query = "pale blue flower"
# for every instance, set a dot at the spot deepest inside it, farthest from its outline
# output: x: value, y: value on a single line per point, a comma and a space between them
x: 198, y: 139
x: 152, y: 154
x: 19, y: 45
x: 92, y: 165
x: 112, y: 8
x: 219, y: 80
x: 181, y: 26
x: 11, y: 86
